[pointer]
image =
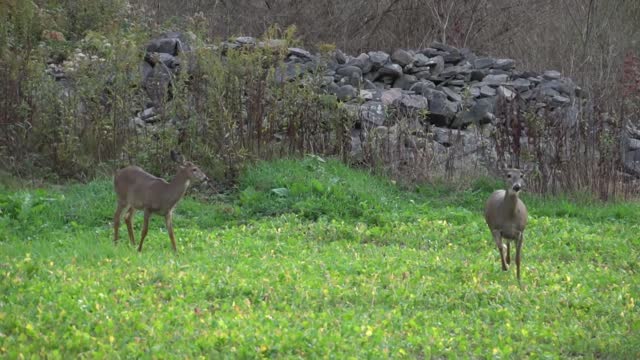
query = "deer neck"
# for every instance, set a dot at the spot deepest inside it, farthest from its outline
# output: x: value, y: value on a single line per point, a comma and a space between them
x: 178, y: 186
x: 510, y: 201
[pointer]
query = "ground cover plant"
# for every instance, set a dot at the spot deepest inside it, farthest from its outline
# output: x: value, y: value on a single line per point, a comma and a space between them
x: 311, y: 259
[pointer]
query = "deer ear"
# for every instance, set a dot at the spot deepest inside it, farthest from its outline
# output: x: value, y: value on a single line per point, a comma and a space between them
x: 526, y: 169
x: 177, y: 157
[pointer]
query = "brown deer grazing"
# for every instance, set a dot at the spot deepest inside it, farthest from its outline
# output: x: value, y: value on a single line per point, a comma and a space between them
x: 506, y: 216
x: 136, y: 189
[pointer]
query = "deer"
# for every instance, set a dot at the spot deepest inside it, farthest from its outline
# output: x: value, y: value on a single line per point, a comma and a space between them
x: 506, y: 216
x: 136, y: 189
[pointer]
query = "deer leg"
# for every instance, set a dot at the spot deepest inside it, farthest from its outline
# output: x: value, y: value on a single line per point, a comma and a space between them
x: 145, y: 228
x: 508, y: 252
x: 116, y: 222
x: 129, y: 220
x: 169, y: 223
x: 519, y: 252
x: 497, y: 237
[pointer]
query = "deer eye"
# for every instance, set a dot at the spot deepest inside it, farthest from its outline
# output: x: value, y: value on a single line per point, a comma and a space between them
x: 194, y: 170
x: 509, y: 176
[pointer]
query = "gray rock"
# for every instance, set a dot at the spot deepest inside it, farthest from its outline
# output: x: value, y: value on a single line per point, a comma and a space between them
x: 423, y: 74
x: 372, y: 113
x: 390, y: 96
x: 378, y: 59
x: 559, y: 100
x: 402, y: 57
x: 272, y: 43
x: 441, y: 110
x: 363, y: 62
x: 340, y: 57
x: 453, y: 71
x: 547, y: 91
x: 563, y: 87
x: 171, y: 46
x: 474, y: 91
x: 147, y: 114
x: 551, y: 75
x: 633, y: 144
x: 420, y: 86
x: 506, y: 93
x: 437, y: 65
x: 477, y: 75
x: 451, y: 94
x: 421, y: 60
x: 481, y: 112
x: 366, y: 94
x: 289, y: 71
x: 496, y: 80
x: 442, y: 47
x: 504, y: 64
x: 346, y: 92
x: 369, y: 85
x: 453, y: 57
x: 483, y: 63
x: 392, y: 70
x: 521, y: 84
x: 301, y: 53
x: 246, y: 40
x: 431, y: 52
x: 405, y: 81
x: 349, y: 71
x: 411, y: 103
x: 487, y: 91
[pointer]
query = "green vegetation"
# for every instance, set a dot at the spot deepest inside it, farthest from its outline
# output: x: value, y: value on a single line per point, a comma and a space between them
x: 312, y: 259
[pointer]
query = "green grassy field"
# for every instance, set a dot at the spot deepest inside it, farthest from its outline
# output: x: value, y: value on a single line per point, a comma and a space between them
x: 314, y: 260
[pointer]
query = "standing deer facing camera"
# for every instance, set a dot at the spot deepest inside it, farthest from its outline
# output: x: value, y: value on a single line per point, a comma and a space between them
x: 506, y: 216
x: 136, y: 189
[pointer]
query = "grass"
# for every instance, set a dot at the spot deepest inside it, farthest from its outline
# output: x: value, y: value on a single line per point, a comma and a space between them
x: 310, y: 259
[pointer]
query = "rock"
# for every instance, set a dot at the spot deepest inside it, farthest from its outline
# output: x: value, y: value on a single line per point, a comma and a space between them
x: 420, y: 86
x: 246, y: 40
x: 346, y: 92
x: 356, y: 152
x: 481, y: 112
x: 453, y: 71
x: 390, y: 96
x: 423, y: 74
x: 483, y: 63
x: 436, y: 64
x: 378, y: 59
x: 366, y: 94
x: 411, y: 103
x: 372, y: 113
x: 349, y: 71
x: 504, y: 64
x: 451, y: 94
x: 288, y: 72
x: 402, y: 57
x: 369, y: 85
x: 392, y: 70
x: 487, y: 91
x: 405, y: 81
x: 506, y: 93
x: 171, y: 46
x: 340, y: 57
x: 148, y: 114
x: 551, y: 75
x: 442, y: 47
x: 474, y: 91
x: 496, y: 80
x: 453, y: 57
x: 363, y: 62
x: 441, y: 110
x: 563, y: 87
x: 633, y: 144
x: 559, y: 100
x: 477, y: 75
x: 521, y: 84
x: 301, y: 53
x: 421, y: 60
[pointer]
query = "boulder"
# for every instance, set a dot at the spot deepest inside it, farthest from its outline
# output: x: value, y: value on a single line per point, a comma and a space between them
x: 402, y: 57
